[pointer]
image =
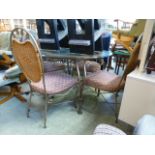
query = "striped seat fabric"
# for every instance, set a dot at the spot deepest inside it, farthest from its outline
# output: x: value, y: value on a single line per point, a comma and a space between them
x: 105, y: 129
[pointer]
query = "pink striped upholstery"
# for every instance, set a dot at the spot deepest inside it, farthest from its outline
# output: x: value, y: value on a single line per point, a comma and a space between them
x: 104, y: 80
x: 55, y: 82
x: 49, y: 66
x: 105, y: 129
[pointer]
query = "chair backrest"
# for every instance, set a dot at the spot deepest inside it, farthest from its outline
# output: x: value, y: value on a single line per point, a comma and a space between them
x: 27, y: 54
x: 133, y: 60
x: 138, y: 27
x: 48, y: 33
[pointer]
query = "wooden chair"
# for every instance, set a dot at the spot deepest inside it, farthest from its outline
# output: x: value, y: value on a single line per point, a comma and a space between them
x: 28, y: 57
x: 111, y: 82
x: 122, y: 54
x: 11, y: 78
x: 126, y: 38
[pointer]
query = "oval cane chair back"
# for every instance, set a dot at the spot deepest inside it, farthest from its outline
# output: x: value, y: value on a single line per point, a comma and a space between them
x: 27, y: 54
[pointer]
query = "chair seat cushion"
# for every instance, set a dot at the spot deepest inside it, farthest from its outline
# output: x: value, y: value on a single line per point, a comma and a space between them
x: 105, y: 129
x: 56, y: 82
x: 49, y: 66
x: 91, y: 66
x: 104, y: 80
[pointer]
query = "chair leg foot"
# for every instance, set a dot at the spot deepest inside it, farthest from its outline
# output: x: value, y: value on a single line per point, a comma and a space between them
x: 45, y: 126
x: 79, y: 111
x: 45, y: 110
x: 116, y: 120
x: 116, y: 108
x: 75, y: 105
x: 98, y: 92
x: 29, y: 104
x: 28, y: 113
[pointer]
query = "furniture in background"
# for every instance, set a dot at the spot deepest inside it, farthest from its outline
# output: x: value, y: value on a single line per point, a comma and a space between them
x: 151, y: 56
x: 126, y: 38
x: 51, y: 32
x: 85, y: 37
x: 10, y: 74
x: 122, y: 54
x: 121, y: 58
x: 12, y: 78
x: 80, y: 60
x: 28, y: 57
x: 111, y: 82
x: 106, y: 39
x: 5, y: 53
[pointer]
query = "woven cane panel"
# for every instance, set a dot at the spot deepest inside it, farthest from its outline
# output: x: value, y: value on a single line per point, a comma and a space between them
x: 28, y: 60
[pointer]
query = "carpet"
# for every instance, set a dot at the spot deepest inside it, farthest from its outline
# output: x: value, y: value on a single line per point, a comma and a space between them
x: 62, y: 118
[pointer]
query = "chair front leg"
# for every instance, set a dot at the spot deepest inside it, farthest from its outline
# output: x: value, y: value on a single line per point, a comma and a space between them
x: 45, y: 109
x: 29, y: 103
x: 81, y: 98
x: 116, y: 108
x: 98, y: 92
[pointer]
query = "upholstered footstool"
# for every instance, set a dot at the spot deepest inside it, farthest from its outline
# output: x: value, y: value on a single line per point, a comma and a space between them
x: 105, y: 129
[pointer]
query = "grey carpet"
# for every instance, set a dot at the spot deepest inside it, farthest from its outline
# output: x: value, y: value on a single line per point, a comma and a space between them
x: 62, y: 117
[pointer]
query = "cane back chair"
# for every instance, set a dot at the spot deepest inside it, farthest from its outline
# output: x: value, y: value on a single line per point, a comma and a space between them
x: 27, y: 55
x: 110, y: 82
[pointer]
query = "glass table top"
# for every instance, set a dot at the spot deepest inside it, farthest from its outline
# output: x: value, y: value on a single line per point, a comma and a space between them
x: 66, y: 54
